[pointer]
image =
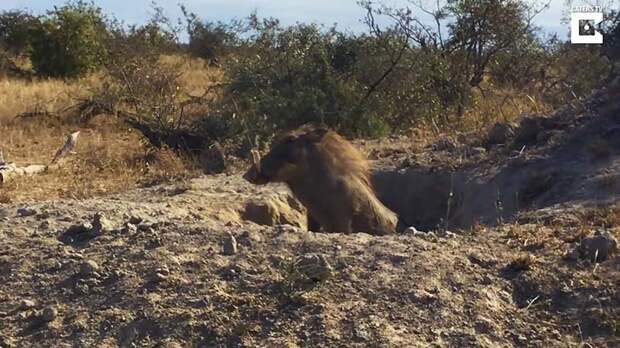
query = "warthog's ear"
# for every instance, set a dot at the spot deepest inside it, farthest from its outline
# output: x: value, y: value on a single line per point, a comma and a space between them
x: 254, y: 174
x: 255, y: 158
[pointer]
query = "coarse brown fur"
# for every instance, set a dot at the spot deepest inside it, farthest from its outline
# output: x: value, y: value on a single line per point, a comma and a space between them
x: 329, y: 176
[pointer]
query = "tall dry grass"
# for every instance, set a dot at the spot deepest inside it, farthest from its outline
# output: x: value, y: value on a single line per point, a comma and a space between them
x: 197, y: 74
x: 489, y: 106
x: 501, y: 105
x: 110, y: 157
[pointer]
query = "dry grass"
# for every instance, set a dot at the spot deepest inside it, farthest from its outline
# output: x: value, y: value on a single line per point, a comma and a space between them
x: 490, y: 105
x: 500, y: 105
x: 19, y: 96
x: 110, y: 157
x: 197, y: 74
x: 605, y: 217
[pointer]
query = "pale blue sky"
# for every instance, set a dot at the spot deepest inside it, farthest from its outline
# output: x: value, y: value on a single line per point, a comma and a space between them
x: 344, y: 12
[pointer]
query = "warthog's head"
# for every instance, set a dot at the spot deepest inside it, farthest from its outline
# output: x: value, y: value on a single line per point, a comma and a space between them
x: 288, y: 158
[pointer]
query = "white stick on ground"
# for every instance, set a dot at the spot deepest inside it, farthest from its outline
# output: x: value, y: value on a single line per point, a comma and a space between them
x: 8, y: 171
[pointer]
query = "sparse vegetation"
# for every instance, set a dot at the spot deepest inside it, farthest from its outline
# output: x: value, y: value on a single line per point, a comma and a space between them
x: 69, y: 41
x: 253, y: 78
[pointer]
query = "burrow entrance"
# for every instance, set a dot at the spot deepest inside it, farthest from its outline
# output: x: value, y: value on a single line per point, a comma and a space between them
x: 430, y: 198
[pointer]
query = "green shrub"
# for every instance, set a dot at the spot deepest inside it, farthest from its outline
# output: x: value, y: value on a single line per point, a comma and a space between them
x: 578, y: 70
x: 70, y: 41
x: 296, y: 75
x: 15, y: 31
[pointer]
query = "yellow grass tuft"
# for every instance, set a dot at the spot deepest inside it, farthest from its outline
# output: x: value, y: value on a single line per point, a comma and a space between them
x: 110, y: 157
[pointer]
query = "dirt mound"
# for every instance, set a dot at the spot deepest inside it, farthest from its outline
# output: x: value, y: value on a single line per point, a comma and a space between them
x: 169, y: 280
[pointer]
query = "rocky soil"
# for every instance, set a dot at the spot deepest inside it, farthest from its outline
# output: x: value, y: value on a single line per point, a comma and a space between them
x: 215, y: 261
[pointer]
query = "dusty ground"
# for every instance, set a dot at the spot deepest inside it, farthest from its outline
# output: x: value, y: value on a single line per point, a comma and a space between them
x: 159, y: 269
x: 168, y: 282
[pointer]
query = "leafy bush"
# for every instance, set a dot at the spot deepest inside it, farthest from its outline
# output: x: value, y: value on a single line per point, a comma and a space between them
x: 295, y: 75
x: 577, y: 71
x: 208, y: 40
x: 15, y: 31
x: 611, y: 40
x: 158, y: 36
x: 70, y: 41
x: 521, y: 64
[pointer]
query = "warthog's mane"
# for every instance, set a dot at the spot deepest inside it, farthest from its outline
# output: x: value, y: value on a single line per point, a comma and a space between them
x: 341, y: 157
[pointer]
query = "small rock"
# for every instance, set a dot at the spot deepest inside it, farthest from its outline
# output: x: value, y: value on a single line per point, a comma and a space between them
x: 420, y: 234
x: 233, y: 224
x: 4, y: 213
x: 82, y: 288
x: 423, y: 296
x: 361, y: 333
x: 521, y: 339
x: 48, y: 314
x: 447, y: 234
x: 7, y: 342
x: 159, y: 277
x: 26, y: 304
x: 598, y: 247
x: 101, y: 223
x: 286, y: 228
x: 477, y: 151
x: 163, y: 269
x: 26, y: 211
x: 135, y: 220
x: 89, y: 267
x: 412, y: 230
x: 572, y: 254
x: 145, y: 228
x: 44, y: 225
x: 314, y: 266
x: 229, y: 245
x: 500, y: 133
x: 249, y: 239
x: 130, y: 228
x: 484, y: 325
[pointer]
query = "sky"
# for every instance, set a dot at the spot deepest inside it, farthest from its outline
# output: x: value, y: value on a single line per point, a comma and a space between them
x: 347, y: 13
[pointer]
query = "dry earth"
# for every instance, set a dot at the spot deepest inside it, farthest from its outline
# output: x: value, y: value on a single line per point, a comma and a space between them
x: 215, y: 261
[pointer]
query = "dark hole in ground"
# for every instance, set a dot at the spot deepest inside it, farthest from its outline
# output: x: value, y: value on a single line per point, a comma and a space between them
x: 428, y: 199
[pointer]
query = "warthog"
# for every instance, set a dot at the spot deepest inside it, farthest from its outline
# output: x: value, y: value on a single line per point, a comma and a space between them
x: 329, y: 176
